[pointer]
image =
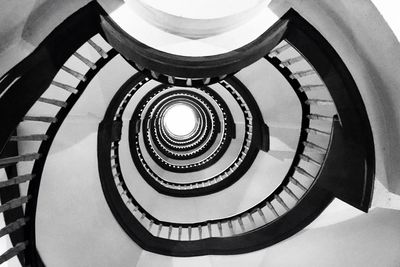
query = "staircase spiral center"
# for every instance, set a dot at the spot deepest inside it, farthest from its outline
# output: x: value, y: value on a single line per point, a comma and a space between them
x: 180, y: 120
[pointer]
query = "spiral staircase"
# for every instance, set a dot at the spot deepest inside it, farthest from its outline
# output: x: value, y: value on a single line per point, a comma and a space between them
x: 135, y: 136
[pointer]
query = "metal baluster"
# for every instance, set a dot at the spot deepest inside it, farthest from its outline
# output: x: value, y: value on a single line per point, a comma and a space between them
x: 231, y: 227
x: 13, y: 251
x: 290, y: 61
x: 306, y: 88
x: 309, y: 159
x: 66, y: 87
x: 290, y: 193
x: 16, y: 202
x: 14, y: 226
x: 278, y: 50
x: 261, y: 213
x: 32, y: 137
x: 304, y: 173
x: 272, y: 209
x: 98, y: 49
x: 320, y: 102
x: 54, y: 102
x: 17, y: 180
x: 74, y: 73
x: 301, y: 74
x: 40, y: 118
x: 86, y: 61
x: 280, y: 201
x: 314, y: 147
x: 316, y: 131
x: 16, y: 159
x: 319, y: 117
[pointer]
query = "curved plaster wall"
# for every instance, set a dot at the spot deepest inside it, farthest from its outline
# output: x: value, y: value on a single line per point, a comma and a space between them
x: 371, y: 52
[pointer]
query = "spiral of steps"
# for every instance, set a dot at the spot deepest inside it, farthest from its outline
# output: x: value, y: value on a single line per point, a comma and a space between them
x: 159, y: 157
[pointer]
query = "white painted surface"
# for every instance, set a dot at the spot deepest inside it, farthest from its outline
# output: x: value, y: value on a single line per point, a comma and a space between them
x: 180, y: 120
x: 371, y: 52
x: 176, y: 41
x: 367, y: 240
x: 203, y: 9
x: 25, y: 23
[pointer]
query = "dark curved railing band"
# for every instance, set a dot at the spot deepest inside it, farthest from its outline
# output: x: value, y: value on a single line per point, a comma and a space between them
x: 38, y: 70
x: 350, y: 107
x: 32, y: 77
x: 191, y: 67
x: 307, y: 210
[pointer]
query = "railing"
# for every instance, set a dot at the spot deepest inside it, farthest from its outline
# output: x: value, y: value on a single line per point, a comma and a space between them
x: 290, y: 207
x: 36, y: 159
x: 300, y: 179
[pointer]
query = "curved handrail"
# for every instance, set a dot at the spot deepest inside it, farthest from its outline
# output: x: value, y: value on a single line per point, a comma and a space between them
x: 131, y: 213
x: 353, y: 129
x: 184, y: 70
x: 111, y: 172
x: 37, y: 73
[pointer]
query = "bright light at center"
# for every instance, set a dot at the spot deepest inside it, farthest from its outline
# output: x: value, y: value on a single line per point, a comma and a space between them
x: 180, y: 119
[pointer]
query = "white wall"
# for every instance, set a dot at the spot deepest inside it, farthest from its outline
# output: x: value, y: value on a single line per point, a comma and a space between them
x: 25, y: 23
x: 371, y: 52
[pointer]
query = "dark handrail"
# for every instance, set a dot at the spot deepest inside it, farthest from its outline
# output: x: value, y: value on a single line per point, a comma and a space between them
x: 36, y: 73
